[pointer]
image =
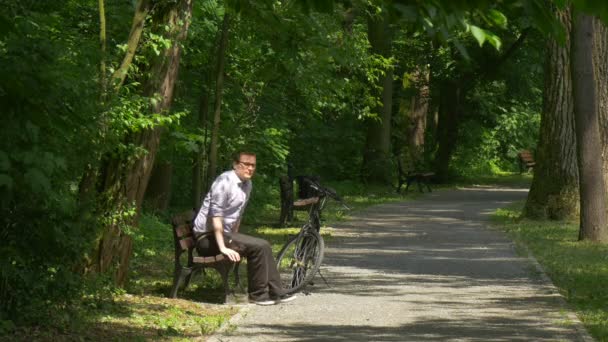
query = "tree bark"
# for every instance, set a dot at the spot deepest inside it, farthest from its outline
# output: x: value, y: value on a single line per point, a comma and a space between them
x: 158, y: 191
x: 376, y: 157
x: 586, y: 113
x: 600, y: 61
x: 418, y: 113
x: 126, y: 179
x: 201, y: 156
x: 219, y: 89
x: 554, y: 191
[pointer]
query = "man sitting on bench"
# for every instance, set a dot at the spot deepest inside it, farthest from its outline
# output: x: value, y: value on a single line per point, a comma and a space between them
x: 216, y: 228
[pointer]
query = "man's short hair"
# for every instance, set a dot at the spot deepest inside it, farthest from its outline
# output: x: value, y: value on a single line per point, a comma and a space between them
x: 237, y: 156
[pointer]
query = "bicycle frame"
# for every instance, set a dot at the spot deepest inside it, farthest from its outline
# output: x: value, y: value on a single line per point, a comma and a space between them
x: 301, y: 257
x: 314, y: 213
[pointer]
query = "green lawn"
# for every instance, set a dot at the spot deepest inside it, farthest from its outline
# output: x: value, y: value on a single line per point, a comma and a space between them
x: 578, y: 269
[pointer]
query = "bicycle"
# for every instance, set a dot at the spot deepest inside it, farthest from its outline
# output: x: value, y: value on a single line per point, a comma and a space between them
x: 300, y: 258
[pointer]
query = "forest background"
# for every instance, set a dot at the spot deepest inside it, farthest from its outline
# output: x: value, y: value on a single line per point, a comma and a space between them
x: 116, y: 110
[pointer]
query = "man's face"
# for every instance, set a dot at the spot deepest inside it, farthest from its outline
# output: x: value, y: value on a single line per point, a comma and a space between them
x: 245, y: 167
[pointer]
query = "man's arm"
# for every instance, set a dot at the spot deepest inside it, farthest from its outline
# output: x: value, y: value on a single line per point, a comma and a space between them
x: 218, y: 232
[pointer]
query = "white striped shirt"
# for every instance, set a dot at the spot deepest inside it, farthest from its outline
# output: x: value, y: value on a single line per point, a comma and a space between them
x: 227, y: 198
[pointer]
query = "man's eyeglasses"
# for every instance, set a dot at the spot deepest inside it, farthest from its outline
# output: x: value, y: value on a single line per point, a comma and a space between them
x: 251, y: 165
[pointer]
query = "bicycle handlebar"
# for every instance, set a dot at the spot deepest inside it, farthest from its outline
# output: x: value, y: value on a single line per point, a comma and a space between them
x: 326, y: 191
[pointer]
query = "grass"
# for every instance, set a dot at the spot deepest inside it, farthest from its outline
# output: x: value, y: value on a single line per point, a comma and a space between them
x: 578, y: 269
x: 508, y: 179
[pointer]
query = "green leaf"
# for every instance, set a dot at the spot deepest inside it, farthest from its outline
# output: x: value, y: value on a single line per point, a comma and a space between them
x: 497, y: 18
x: 494, y: 40
x: 478, y: 33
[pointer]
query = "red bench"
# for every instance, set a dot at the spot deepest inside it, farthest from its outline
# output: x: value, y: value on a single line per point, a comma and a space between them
x: 526, y: 161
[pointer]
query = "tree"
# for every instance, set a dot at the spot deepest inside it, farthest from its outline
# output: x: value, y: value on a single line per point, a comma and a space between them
x: 554, y: 190
x: 586, y: 112
x: 124, y: 179
x: 219, y: 88
x: 376, y: 157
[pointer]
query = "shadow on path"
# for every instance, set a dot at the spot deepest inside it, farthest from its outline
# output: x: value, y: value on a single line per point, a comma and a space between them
x: 427, y: 270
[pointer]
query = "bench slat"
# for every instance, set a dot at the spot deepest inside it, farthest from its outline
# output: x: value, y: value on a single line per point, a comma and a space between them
x: 208, y: 259
x: 306, y: 201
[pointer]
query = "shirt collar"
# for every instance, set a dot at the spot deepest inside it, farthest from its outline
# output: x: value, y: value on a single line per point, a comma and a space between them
x: 236, y: 178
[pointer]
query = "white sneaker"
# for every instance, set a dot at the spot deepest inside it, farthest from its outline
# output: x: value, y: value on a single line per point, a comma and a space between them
x: 263, y: 301
x: 286, y: 298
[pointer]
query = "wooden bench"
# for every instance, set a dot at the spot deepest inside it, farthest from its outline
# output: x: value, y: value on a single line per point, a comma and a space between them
x: 185, y: 245
x: 526, y: 161
x: 421, y: 178
x: 288, y: 204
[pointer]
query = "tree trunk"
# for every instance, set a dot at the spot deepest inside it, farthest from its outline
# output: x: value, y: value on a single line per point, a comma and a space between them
x: 158, y: 192
x: 586, y: 113
x: 219, y: 89
x: 200, y: 157
x: 601, y: 65
x: 450, y: 105
x: 418, y: 113
x: 554, y: 191
x: 376, y: 157
x: 126, y: 178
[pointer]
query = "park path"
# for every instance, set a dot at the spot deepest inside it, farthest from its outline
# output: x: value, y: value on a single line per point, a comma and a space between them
x: 424, y: 270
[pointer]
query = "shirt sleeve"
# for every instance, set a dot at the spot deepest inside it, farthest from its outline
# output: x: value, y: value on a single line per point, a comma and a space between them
x: 219, y: 197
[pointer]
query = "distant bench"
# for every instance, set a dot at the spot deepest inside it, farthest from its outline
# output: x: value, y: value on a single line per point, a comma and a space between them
x: 185, y: 243
x: 526, y: 160
x: 421, y: 178
x: 306, y: 196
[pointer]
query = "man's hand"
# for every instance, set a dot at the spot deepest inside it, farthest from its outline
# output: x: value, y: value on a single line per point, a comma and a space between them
x: 233, y: 255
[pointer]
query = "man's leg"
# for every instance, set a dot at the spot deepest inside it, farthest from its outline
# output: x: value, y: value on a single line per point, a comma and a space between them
x: 262, y: 274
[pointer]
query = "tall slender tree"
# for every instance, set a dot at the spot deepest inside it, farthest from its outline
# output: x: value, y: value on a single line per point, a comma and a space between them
x: 376, y: 157
x: 219, y: 89
x: 586, y: 112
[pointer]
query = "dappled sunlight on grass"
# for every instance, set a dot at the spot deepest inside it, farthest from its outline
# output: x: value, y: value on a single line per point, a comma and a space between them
x: 578, y: 269
x: 138, y: 318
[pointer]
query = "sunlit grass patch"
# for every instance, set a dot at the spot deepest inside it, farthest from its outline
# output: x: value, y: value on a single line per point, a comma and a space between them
x: 125, y: 317
x: 160, y: 318
x: 578, y: 269
x: 511, y: 179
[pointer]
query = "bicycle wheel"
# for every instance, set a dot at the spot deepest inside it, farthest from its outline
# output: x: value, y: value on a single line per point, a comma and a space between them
x: 300, y: 259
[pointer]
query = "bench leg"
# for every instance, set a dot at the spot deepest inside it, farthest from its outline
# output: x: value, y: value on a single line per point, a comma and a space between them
x: 179, y: 275
x: 400, y: 184
x: 420, y: 182
x: 224, y: 271
x: 409, y: 181
x: 190, y: 275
